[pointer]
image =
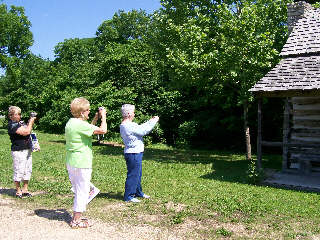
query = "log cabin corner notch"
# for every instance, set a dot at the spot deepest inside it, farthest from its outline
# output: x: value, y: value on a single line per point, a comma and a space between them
x: 296, y: 78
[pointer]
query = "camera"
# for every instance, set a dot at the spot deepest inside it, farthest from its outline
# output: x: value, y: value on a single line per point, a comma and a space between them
x: 33, y: 114
x: 100, y: 108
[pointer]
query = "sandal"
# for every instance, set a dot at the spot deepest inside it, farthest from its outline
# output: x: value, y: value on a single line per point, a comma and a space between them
x: 27, y: 194
x: 82, y: 224
x: 18, y: 195
x: 87, y: 222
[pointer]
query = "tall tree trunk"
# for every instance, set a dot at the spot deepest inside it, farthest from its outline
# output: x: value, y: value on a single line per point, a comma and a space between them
x: 246, y: 130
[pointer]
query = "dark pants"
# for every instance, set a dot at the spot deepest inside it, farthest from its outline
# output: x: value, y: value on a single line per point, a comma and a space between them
x: 134, y: 172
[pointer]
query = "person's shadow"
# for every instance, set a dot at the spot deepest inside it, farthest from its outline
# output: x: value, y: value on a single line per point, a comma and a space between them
x: 112, y: 195
x: 8, y: 191
x: 54, y: 214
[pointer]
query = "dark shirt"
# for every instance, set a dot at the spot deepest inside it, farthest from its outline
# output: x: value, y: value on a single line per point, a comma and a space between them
x: 18, y: 142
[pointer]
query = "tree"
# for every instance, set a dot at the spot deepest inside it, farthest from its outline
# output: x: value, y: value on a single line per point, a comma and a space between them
x: 255, y: 33
x: 24, y: 88
x: 221, y: 48
x: 123, y: 27
x: 15, y: 35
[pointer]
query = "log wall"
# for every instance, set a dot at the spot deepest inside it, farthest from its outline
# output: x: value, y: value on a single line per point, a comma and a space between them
x: 304, y: 140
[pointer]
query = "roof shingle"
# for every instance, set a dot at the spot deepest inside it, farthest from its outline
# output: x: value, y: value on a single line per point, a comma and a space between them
x: 299, y: 69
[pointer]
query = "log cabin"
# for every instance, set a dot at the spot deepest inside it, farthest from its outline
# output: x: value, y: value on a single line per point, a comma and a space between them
x: 296, y: 79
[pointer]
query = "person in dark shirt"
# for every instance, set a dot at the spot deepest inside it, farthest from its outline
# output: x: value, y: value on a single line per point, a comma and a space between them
x: 19, y: 133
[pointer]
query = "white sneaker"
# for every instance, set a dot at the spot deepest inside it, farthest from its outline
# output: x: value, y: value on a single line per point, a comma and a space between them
x: 135, y: 200
x: 146, y: 196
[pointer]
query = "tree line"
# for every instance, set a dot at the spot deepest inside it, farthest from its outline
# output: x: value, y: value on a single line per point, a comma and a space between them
x: 190, y: 62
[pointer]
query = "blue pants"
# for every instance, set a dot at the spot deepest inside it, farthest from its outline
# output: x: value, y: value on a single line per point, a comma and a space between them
x: 134, y: 172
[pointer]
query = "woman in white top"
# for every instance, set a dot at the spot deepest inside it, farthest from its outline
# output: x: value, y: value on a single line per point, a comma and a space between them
x: 132, y: 136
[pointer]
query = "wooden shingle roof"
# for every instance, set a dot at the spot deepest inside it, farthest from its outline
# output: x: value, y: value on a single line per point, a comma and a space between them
x: 298, y: 73
x: 305, y: 36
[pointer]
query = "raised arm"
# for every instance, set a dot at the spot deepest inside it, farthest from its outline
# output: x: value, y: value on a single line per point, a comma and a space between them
x: 26, y: 130
x: 146, y: 127
x: 103, y: 127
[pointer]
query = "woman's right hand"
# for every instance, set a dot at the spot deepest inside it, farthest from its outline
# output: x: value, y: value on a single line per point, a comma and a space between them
x: 32, y: 119
x: 156, y: 118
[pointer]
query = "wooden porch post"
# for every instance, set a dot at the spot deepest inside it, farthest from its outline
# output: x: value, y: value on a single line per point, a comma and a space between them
x: 286, y: 127
x: 259, y: 137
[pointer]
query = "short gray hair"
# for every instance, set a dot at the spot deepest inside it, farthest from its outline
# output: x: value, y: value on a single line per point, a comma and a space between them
x: 126, y: 109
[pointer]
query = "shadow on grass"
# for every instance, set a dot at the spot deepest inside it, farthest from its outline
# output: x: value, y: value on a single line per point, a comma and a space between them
x: 58, y: 141
x: 54, y: 214
x: 107, y: 149
x: 8, y: 191
x: 111, y: 195
x: 226, y: 166
x: 190, y: 156
x: 3, y: 131
x: 236, y: 170
x: 168, y: 155
x: 231, y: 171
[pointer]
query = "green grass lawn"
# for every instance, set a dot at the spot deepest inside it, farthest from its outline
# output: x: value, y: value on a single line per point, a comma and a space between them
x: 207, y: 188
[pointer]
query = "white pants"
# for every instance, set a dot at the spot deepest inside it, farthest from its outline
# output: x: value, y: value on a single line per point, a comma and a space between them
x: 22, y: 165
x: 80, y: 181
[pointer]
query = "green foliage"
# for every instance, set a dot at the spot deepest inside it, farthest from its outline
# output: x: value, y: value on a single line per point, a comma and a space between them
x: 25, y: 88
x: 214, y: 52
x: 123, y: 27
x: 206, y: 44
x: 178, y: 218
x: 224, y: 232
x: 186, y: 131
x: 15, y: 35
x: 75, y: 51
x: 191, y: 63
x: 254, y: 175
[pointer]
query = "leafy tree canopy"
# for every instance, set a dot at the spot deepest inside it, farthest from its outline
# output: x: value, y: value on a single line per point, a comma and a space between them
x: 123, y: 27
x: 15, y: 35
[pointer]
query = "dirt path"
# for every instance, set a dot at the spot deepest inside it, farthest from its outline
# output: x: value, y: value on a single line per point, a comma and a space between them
x: 26, y: 224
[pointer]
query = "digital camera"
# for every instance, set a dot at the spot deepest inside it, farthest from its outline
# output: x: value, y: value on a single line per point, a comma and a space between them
x: 33, y: 114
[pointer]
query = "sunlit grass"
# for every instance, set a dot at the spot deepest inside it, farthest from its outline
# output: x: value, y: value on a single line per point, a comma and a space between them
x: 184, y: 184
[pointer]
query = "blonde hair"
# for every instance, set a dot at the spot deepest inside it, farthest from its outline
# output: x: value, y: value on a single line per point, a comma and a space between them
x: 79, y: 105
x: 127, y: 109
x: 13, y: 110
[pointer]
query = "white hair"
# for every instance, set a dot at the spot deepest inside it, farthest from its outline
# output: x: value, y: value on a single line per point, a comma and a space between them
x: 13, y: 110
x: 127, y: 109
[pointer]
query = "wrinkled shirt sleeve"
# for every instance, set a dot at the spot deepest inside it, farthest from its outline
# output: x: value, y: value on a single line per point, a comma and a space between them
x: 144, y: 128
x: 132, y: 135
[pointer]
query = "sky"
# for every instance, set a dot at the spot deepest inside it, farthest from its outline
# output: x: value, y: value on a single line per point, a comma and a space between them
x: 53, y: 21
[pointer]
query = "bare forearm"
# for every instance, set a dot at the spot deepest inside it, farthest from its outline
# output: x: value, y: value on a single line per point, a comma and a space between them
x: 26, y: 130
x: 103, y: 125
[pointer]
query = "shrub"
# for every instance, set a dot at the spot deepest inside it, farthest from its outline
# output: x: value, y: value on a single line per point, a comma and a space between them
x: 186, y: 131
x: 254, y: 175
